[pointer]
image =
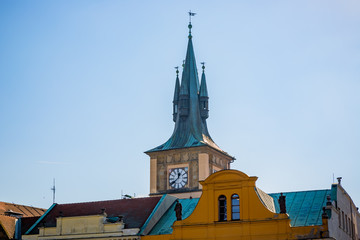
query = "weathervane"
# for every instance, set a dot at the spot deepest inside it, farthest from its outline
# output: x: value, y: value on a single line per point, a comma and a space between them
x: 191, y: 14
x: 177, y: 70
x: 203, y: 66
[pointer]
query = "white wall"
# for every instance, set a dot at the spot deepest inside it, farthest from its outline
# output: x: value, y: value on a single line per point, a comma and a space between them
x: 344, y: 223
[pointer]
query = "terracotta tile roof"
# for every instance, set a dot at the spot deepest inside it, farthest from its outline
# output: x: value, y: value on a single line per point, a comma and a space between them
x: 8, y: 211
x: 134, y: 211
x: 8, y: 224
x: 26, y: 211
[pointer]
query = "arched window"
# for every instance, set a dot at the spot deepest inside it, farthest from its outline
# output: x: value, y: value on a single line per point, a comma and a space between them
x: 235, y: 207
x: 222, y: 208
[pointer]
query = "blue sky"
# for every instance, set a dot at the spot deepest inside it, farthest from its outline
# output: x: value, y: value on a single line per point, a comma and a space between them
x: 86, y: 87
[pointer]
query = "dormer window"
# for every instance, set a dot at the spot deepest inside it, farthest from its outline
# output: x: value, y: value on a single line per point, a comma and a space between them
x: 222, y: 208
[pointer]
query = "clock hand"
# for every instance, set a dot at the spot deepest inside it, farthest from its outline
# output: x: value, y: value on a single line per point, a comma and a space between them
x: 171, y: 183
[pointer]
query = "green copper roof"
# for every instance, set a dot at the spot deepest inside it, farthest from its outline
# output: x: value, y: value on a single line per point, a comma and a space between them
x: 164, y: 226
x: 177, y: 87
x: 305, y: 207
x: 203, y: 87
x: 190, y: 126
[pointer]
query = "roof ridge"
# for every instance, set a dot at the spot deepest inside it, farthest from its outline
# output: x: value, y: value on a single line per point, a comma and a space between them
x: 106, y: 200
x: 16, y: 204
x: 315, y: 190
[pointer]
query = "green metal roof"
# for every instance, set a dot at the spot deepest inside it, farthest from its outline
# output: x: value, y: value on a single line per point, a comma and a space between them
x: 164, y: 226
x: 305, y: 207
x: 203, y: 88
x: 190, y: 128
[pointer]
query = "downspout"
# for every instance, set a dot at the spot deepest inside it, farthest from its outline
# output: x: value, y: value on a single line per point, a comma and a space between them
x: 18, y: 229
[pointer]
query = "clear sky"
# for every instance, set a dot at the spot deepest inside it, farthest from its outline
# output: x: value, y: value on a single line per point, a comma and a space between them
x: 86, y: 87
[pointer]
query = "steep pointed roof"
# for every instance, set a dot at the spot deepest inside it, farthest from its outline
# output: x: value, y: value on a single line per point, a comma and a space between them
x: 177, y: 87
x: 203, y: 87
x: 189, y: 131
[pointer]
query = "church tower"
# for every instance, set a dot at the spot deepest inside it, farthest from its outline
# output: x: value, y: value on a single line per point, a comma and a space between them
x: 190, y: 155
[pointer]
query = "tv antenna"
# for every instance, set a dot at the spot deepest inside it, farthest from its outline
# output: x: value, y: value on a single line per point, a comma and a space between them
x: 53, y: 190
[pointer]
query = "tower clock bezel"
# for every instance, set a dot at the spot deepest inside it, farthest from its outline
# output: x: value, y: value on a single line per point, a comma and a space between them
x: 182, y: 181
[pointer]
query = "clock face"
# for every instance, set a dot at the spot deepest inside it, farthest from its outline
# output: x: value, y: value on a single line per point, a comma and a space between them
x: 178, y: 177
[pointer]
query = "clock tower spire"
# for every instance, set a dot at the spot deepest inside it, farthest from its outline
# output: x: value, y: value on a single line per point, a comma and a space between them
x: 190, y: 154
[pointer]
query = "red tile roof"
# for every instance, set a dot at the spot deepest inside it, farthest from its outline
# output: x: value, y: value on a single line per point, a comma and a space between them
x: 8, y: 211
x: 8, y: 224
x: 25, y: 211
x: 134, y: 211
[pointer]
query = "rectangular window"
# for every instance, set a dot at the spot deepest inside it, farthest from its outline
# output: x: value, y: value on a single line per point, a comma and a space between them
x: 346, y: 224
x: 339, y: 218
x: 235, y: 207
x: 222, y: 208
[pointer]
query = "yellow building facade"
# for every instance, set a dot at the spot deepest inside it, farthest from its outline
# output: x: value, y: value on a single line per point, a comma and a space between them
x: 249, y: 213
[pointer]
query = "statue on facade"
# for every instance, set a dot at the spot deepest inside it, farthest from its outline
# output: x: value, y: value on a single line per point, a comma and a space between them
x: 282, y: 203
x: 178, y: 210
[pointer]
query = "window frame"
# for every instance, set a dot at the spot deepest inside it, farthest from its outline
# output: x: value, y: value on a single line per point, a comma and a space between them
x: 222, y: 208
x: 235, y: 197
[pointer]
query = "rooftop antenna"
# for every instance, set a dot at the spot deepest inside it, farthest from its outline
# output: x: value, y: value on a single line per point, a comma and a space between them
x: 53, y: 190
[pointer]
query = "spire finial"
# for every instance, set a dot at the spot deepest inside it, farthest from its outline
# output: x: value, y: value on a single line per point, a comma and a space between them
x: 191, y: 14
x: 177, y: 71
x: 183, y: 65
x: 203, y: 66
